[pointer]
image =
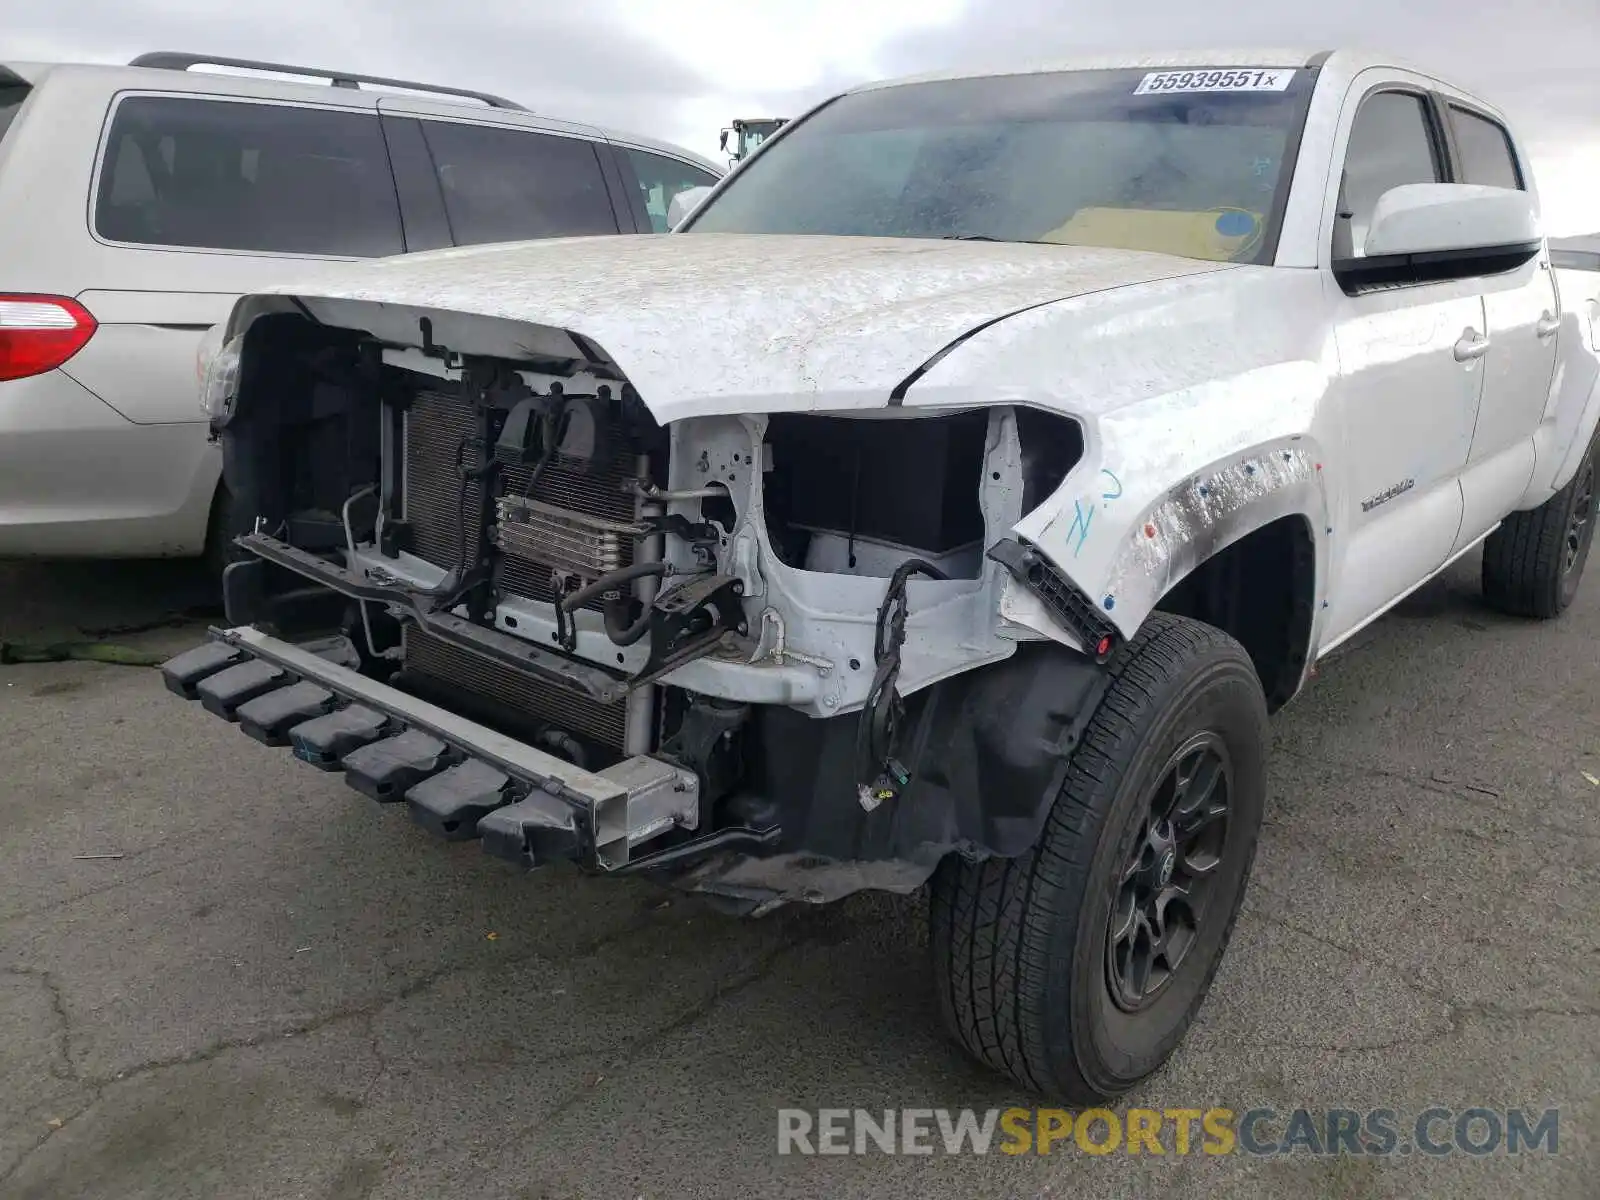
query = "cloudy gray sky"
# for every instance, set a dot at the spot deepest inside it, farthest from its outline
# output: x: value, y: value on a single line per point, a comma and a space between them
x: 681, y: 68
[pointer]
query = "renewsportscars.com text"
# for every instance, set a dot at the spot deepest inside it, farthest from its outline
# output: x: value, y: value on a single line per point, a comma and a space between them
x: 1435, y: 1131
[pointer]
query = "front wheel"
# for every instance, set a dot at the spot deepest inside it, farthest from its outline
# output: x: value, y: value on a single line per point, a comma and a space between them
x: 1077, y: 967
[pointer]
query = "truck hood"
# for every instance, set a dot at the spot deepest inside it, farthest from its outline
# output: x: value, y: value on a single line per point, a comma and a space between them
x: 727, y: 323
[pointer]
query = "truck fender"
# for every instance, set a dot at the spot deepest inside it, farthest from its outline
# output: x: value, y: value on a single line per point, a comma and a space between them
x: 1582, y: 435
x: 1573, y: 411
x: 1202, y: 514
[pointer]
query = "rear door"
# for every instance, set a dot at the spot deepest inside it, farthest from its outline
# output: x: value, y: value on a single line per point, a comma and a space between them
x: 199, y: 198
x: 507, y: 179
x: 1523, y: 318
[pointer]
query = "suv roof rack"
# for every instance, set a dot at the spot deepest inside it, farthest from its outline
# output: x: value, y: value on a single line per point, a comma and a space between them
x: 177, y: 60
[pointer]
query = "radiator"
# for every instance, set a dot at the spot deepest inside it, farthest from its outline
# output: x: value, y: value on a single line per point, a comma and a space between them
x: 436, y: 425
x: 572, y: 711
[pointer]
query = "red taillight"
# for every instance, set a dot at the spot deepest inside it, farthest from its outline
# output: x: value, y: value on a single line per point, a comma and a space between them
x: 39, y: 333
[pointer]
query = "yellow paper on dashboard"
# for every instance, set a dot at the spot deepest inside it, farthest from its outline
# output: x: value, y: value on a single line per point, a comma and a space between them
x: 1218, y: 234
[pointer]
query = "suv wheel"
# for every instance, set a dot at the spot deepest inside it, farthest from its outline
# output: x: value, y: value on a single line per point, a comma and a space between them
x: 1077, y: 967
x: 1533, y: 562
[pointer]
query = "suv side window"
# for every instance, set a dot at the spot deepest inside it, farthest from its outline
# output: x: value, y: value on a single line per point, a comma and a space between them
x: 1392, y: 142
x: 1485, y: 150
x: 228, y: 175
x: 512, y: 185
x: 660, y: 179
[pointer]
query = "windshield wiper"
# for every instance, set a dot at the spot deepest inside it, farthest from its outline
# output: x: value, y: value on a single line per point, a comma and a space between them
x: 983, y: 237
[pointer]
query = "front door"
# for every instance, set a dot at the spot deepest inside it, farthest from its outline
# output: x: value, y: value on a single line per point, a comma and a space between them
x: 1410, y: 379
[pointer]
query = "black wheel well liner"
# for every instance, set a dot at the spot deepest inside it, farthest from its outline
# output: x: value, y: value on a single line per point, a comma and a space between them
x: 1261, y: 591
x: 986, y: 750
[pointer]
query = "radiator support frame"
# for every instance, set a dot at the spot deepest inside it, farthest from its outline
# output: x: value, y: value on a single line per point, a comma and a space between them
x: 555, y: 669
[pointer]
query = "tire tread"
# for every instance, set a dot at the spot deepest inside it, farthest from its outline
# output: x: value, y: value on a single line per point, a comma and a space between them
x: 1523, y: 560
x: 991, y: 920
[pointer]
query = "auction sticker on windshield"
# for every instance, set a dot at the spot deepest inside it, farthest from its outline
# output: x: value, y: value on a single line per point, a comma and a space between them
x: 1215, y: 81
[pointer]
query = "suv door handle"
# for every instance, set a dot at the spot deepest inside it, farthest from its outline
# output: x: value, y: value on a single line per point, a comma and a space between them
x: 1471, y: 345
x: 1548, y: 325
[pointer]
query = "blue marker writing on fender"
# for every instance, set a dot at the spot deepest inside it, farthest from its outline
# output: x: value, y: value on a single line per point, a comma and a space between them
x: 1080, y: 525
x: 1117, y: 483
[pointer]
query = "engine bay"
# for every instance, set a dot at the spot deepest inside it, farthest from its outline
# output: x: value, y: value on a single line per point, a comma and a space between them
x: 519, y: 541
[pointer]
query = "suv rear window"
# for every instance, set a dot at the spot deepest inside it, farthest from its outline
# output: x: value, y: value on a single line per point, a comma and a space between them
x: 662, y: 178
x: 512, y: 185
x: 226, y: 175
x: 11, y: 98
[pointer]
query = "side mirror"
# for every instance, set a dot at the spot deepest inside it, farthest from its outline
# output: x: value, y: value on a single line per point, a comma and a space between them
x: 1445, y: 230
x: 684, y: 203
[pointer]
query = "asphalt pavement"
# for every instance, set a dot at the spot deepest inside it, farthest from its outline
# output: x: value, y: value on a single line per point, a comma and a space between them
x: 275, y: 988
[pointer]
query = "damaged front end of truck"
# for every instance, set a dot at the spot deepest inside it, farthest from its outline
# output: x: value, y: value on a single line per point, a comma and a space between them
x: 739, y: 651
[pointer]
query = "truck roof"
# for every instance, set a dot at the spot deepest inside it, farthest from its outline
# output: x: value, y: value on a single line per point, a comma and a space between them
x: 1249, y: 57
x: 1347, y: 61
x: 119, y: 76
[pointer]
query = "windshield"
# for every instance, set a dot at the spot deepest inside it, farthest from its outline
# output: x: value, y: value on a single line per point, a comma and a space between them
x: 1190, y: 162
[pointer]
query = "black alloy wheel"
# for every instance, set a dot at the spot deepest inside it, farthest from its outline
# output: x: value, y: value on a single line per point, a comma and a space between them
x: 1578, y: 532
x: 1166, y: 880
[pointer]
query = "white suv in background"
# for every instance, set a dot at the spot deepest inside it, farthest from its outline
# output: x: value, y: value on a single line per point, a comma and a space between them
x: 137, y: 203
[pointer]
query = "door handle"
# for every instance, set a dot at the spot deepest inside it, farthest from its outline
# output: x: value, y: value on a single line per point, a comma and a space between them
x: 1471, y: 345
x: 1548, y: 325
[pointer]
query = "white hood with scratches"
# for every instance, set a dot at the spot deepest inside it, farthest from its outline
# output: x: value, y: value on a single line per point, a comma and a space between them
x: 723, y: 323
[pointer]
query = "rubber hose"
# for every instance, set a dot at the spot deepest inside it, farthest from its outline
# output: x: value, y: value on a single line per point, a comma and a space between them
x: 575, y: 600
x: 617, y: 630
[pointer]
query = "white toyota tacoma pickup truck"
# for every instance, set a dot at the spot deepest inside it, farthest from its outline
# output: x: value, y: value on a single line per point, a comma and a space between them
x: 948, y: 500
